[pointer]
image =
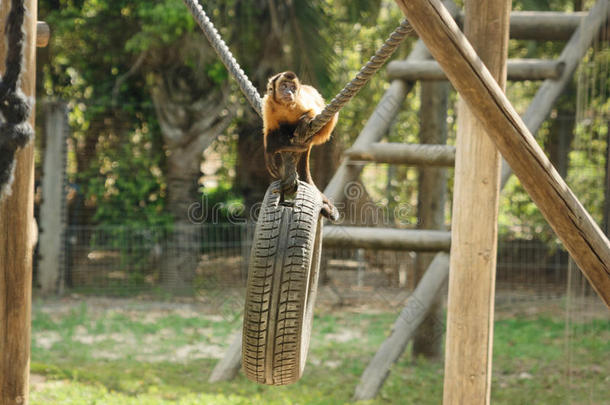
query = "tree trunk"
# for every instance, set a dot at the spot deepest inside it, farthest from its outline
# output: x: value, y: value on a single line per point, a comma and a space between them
x: 252, y: 176
x: 192, y: 111
x: 432, y: 194
x: 325, y: 161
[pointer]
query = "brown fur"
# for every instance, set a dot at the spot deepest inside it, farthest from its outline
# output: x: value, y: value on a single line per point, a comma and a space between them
x: 308, y: 103
x: 286, y: 103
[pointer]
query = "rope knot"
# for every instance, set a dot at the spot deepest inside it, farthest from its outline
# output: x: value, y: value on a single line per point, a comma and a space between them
x: 15, y: 107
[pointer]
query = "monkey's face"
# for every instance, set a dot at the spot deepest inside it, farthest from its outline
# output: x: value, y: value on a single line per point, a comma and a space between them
x: 284, y: 88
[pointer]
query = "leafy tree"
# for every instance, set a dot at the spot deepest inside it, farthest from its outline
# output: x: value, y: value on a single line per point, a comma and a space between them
x: 148, y: 94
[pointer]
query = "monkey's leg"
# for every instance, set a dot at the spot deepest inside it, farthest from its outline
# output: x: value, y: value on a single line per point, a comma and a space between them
x: 328, y: 209
x: 271, y: 161
x: 280, y: 140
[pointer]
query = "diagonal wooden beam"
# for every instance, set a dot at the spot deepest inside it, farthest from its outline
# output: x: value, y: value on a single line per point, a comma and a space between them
x: 581, y: 236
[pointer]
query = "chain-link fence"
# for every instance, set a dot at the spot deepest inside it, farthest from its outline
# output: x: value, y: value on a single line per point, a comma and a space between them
x: 127, y: 260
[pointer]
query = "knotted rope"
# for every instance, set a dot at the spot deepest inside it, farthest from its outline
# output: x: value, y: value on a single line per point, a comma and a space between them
x: 15, y: 130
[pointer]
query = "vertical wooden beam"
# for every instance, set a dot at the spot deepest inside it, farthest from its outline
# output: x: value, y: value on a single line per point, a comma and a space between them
x: 16, y: 227
x: 431, y: 197
x: 52, y: 222
x: 606, y: 220
x: 474, y: 226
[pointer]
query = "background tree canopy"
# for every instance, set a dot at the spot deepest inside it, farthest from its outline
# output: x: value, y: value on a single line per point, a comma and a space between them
x: 148, y: 96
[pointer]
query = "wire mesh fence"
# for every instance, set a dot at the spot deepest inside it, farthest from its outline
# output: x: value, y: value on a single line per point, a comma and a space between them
x: 195, y: 259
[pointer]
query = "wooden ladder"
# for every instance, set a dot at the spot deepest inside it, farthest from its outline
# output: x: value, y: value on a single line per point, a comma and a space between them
x: 579, y: 28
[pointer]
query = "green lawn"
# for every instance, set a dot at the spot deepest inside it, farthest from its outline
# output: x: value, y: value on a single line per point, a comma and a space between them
x: 131, y: 354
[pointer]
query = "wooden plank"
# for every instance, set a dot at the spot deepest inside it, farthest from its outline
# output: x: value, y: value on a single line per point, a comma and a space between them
x: 580, y: 235
x: 518, y: 69
x: 540, y: 25
x: 228, y: 367
x: 16, y: 227
x: 52, y: 221
x: 405, y: 326
x: 401, y: 153
x: 386, y: 238
x: 43, y: 33
x: 474, y: 225
x: 548, y: 93
x: 431, y: 199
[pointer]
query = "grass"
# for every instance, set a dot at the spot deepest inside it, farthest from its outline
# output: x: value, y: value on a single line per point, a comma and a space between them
x: 83, y: 354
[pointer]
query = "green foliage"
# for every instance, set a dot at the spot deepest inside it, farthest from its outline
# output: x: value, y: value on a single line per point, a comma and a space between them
x: 163, y: 23
x: 95, y: 43
x: 126, y: 181
x: 117, y: 161
x: 222, y: 204
x: 585, y: 101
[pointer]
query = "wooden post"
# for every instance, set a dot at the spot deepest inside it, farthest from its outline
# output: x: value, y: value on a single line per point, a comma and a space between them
x: 518, y: 69
x: 52, y: 222
x: 474, y: 226
x: 431, y: 197
x: 16, y: 227
x: 386, y: 238
x: 401, y: 153
x: 43, y: 33
x: 228, y: 367
x: 579, y: 233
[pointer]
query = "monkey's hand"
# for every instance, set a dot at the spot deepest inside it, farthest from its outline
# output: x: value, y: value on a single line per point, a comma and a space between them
x: 300, y: 133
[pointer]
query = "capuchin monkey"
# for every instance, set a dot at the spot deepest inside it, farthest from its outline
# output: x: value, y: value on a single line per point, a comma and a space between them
x: 287, y: 105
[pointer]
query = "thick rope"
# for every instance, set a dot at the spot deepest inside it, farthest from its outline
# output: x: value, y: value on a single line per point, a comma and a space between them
x: 337, y: 103
x: 225, y: 55
x: 289, y: 177
x: 15, y: 130
x: 363, y: 76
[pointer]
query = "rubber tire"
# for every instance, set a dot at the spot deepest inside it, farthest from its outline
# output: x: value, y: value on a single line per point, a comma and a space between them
x: 282, y: 285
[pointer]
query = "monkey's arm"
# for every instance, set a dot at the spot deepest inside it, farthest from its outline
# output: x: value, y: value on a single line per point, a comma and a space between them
x: 322, y: 136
